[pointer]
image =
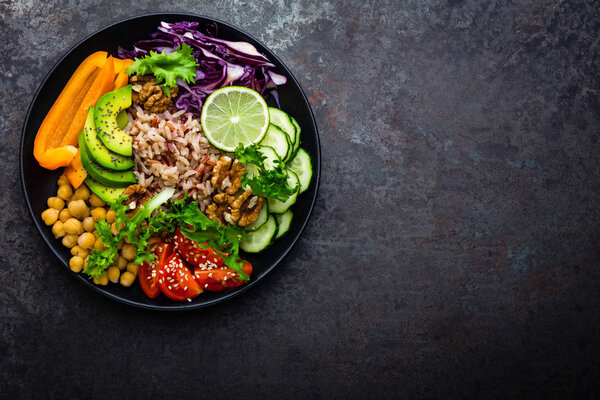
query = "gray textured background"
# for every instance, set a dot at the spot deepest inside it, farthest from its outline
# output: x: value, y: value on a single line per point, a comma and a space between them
x: 454, y: 247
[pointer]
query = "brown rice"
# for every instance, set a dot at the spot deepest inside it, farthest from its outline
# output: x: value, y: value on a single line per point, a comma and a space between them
x: 170, y: 150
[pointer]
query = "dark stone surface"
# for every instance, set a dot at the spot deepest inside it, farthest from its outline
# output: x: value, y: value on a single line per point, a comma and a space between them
x: 453, y: 251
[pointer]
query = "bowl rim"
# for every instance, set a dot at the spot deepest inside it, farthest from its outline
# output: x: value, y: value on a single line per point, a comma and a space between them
x: 177, y: 306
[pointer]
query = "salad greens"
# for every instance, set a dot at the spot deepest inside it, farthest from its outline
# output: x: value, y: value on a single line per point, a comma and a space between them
x: 224, y: 240
x: 131, y: 228
x: 137, y: 229
x: 271, y: 182
x: 167, y: 68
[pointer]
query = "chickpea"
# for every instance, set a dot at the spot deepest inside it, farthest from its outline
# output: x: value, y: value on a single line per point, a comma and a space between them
x: 88, y: 224
x: 96, y: 201
x: 63, y: 180
x: 75, y: 250
x: 98, y: 245
x: 86, y: 240
x: 50, y: 216
x: 98, y: 213
x: 101, y: 280
x: 79, y: 251
x: 113, y: 274
x: 82, y: 252
x: 113, y: 229
x: 153, y: 239
x: 127, y: 279
x: 65, y: 192
x: 73, y: 227
x: 58, y: 230
x: 64, y: 215
x: 56, y: 202
x: 85, y: 262
x: 111, y: 215
x: 104, y: 279
x: 131, y: 267
x: 77, y: 208
x: 128, y: 251
x: 69, y: 241
x: 121, y: 262
x: 76, y: 264
x: 82, y: 193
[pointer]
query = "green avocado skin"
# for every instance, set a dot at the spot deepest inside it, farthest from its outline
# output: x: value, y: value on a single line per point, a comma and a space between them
x: 107, y: 194
x: 105, y: 119
x: 99, y: 152
x: 105, y: 176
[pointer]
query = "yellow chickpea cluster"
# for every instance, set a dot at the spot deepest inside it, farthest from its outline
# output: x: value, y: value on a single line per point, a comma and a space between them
x: 73, y: 216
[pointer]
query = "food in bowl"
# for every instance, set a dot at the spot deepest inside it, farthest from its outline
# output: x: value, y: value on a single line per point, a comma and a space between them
x: 174, y: 164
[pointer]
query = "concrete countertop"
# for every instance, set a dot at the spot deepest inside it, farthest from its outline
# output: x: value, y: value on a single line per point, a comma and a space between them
x: 453, y: 251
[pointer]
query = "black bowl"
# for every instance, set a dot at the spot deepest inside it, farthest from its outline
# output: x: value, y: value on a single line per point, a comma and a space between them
x: 39, y: 183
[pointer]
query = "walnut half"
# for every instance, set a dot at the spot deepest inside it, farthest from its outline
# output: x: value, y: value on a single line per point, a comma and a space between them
x: 242, y: 210
x: 246, y: 208
x: 147, y: 93
x: 227, y: 175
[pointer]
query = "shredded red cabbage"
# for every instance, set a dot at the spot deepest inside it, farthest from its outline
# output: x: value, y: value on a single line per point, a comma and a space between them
x: 220, y: 63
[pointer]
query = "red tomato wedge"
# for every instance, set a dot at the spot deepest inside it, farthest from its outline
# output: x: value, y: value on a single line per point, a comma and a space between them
x: 148, y: 272
x: 219, y: 279
x: 176, y: 280
x: 194, y: 254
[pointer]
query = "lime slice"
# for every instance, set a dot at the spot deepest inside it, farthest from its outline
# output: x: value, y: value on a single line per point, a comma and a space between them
x: 234, y: 115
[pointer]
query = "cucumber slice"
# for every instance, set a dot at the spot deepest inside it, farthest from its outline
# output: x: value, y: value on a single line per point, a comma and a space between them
x: 279, y: 207
x: 283, y: 223
x: 260, y: 239
x: 278, y: 140
x: 297, y: 140
x: 301, y: 165
x: 262, y: 218
x: 283, y: 122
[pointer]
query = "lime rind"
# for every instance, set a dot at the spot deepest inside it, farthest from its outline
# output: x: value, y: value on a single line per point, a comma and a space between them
x: 234, y: 115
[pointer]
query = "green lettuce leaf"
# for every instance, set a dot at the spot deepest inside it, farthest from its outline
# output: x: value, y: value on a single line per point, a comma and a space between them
x: 167, y: 67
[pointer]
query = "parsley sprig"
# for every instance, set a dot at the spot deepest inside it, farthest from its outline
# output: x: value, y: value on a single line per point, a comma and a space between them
x: 267, y: 182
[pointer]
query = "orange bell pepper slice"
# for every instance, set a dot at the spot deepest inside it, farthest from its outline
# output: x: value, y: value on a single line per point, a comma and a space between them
x: 102, y: 84
x: 48, y: 148
x: 122, y: 64
x: 75, y: 171
x: 121, y: 80
x: 122, y: 77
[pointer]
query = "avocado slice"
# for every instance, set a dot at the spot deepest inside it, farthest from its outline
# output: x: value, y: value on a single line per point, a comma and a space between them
x: 122, y: 119
x: 105, y: 176
x: 99, y: 152
x: 105, y: 119
x: 108, y: 194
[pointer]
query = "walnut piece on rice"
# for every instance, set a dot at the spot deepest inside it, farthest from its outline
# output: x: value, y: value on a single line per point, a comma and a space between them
x: 242, y: 210
x: 137, y: 195
x: 148, y: 94
x: 227, y: 175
